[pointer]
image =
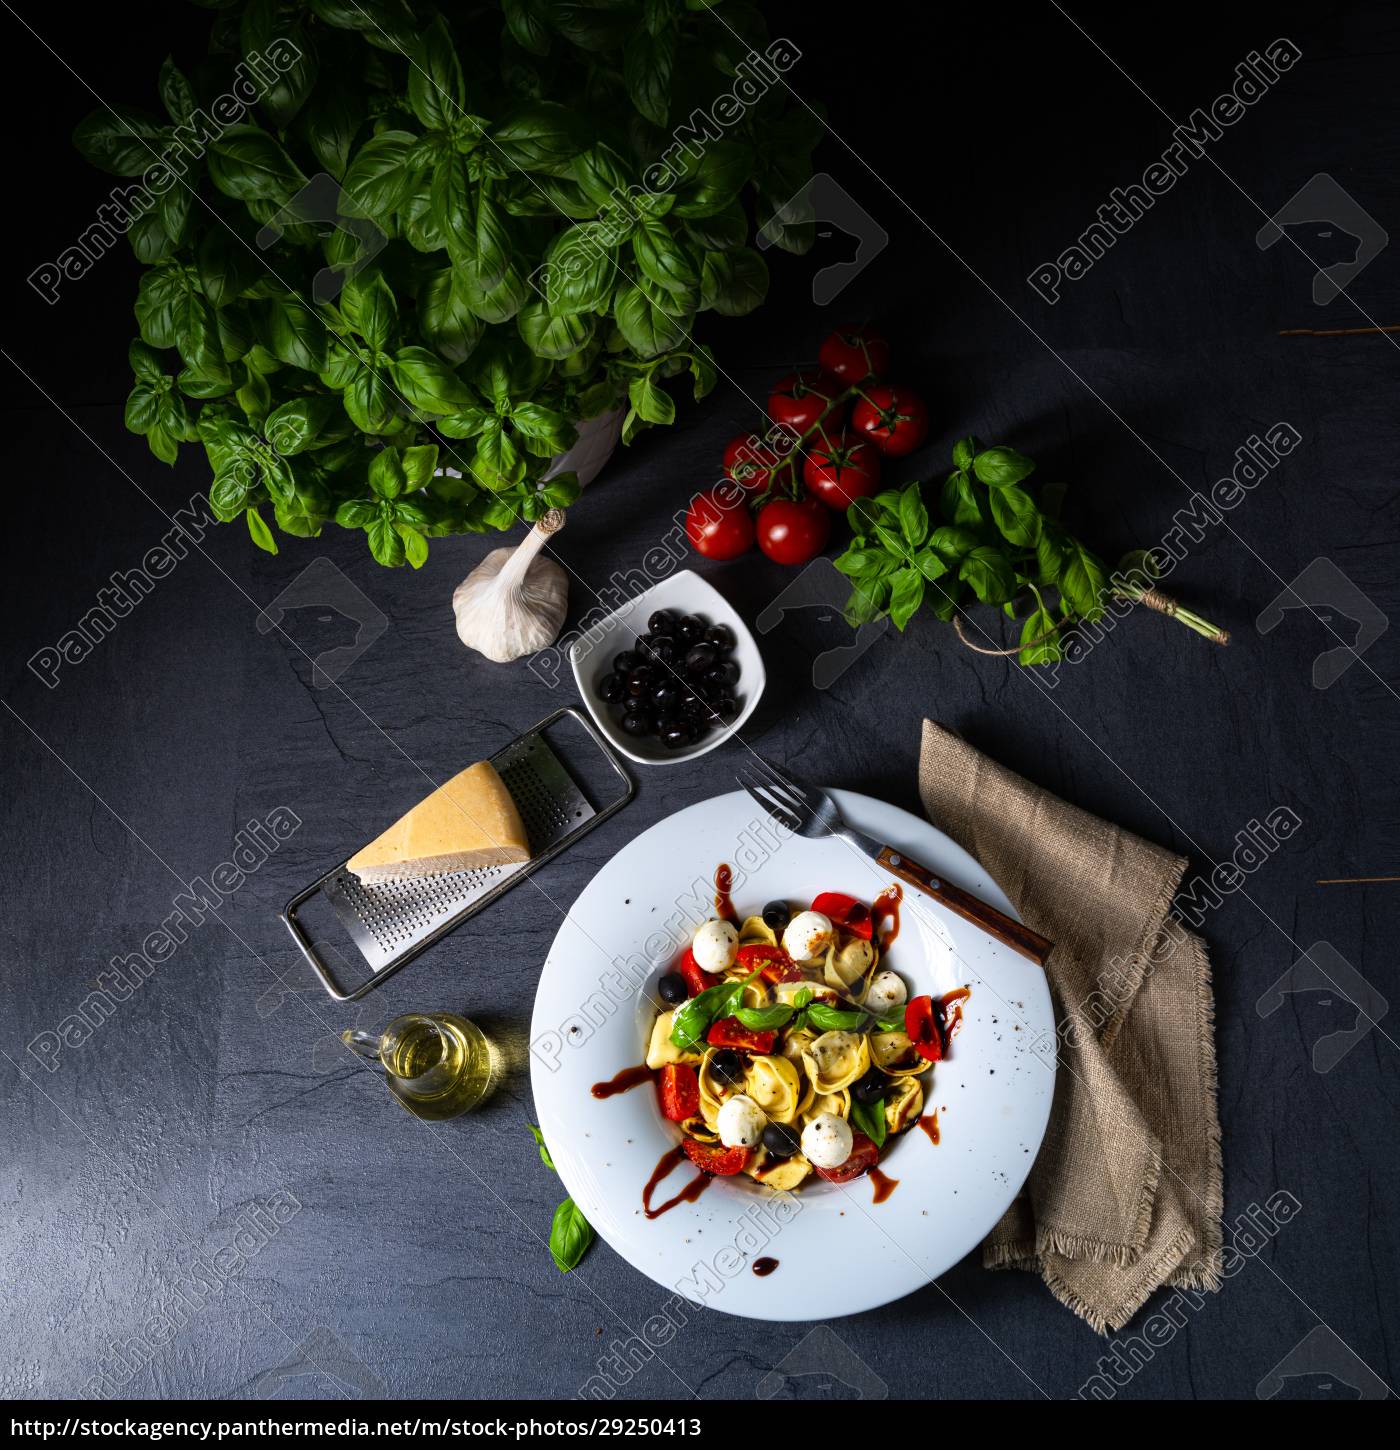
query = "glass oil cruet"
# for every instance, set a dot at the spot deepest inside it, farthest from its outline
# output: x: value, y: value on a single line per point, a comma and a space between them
x: 436, y: 1064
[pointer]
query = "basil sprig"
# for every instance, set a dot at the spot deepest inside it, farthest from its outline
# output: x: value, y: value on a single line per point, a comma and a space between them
x: 693, y: 1019
x: 870, y: 1120
x: 832, y: 1019
x: 765, y: 1019
x: 570, y: 1234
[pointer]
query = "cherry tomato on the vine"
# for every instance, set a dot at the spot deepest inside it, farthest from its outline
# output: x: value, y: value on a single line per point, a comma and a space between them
x: 842, y: 471
x: 750, y: 460
x: 801, y: 399
x: 854, y: 354
x: 718, y: 525
x: 793, y: 532
x: 893, y: 417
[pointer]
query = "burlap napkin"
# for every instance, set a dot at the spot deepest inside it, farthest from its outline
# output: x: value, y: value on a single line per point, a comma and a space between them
x: 1125, y: 1195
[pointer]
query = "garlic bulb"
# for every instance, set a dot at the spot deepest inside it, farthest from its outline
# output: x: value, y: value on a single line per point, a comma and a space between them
x: 513, y: 603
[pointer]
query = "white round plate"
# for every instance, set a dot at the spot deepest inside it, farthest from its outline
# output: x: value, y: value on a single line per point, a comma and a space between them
x: 838, y: 1252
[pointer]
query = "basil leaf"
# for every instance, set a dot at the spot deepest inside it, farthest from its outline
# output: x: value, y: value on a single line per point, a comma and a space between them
x: 120, y: 140
x: 646, y: 71
x: 436, y: 91
x: 990, y: 574
x: 552, y: 336
x: 580, y: 269
x: 653, y: 404
x: 569, y: 1236
x: 384, y: 542
x: 259, y: 531
x: 647, y: 329
x: 357, y: 513
x: 764, y: 1019
x: 1046, y: 651
x: 380, y: 178
x: 248, y: 164
x: 445, y: 319
x: 1083, y: 581
x: 997, y: 467
x: 693, y: 1018
x: 870, y: 1119
x: 906, y: 594
x: 314, y: 421
x: 415, y: 546
x: 529, y: 24
x: 427, y: 382
x: 832, y: 1019
x: 542, y: 136
x: 1016, y: 515
x: 964, y: 451
x: 294, y: 334
x: 175, y: 93
x: 542, y: 1146
x: 913, y: 516
x: 369, y: 402
x: 545, y: 431
x: 733, y: 283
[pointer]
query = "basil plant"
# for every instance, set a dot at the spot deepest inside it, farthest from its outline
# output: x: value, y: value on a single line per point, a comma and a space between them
x: 397, y: 254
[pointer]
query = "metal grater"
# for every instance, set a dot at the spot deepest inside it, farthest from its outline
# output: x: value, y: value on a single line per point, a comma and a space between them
x: 391, y: 923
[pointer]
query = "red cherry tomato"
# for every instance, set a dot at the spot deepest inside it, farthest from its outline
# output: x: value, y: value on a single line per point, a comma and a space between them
x: 718, y: 525
x: 846, y: 912
x: 715, y: 1158
x: 793, y: 532
x: 730, y: 1032
x: 696, y: 980
x: 801, y: 399
x: 893, y: 418
x: 922, y: 1029
x: 750, y: 460
x: 840, y: 472
x: 680, y: 1091
x: 853, y: 354
x: 864, y: 1156
x: 775, y: 963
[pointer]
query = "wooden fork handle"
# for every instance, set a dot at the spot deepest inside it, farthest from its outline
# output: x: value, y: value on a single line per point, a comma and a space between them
x: 995, y: 923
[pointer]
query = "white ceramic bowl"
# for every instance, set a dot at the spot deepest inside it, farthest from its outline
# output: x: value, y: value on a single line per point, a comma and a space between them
x: 592, y: 653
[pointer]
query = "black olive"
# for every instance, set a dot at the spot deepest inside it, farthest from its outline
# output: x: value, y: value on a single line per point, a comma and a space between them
x: 663, y: 622
x: 672, y: 988
x: 694, y: 708
x: 663, y: 649
x: 610, y: 688
x: 666, y: 691
x: 639, y: 682
x: 625, y: 663
x: 721, y: 636
x: 636, y: 723
x: 690, y: 629
x: 728, y: 1066
x: 678, y: 735
x: 663, y: 721
x: 781, y: 1140
x: 699, y: 658
x: 776, y: 915
x: 726, y: 672
x: 726, y: 707
x: 870, y: 1089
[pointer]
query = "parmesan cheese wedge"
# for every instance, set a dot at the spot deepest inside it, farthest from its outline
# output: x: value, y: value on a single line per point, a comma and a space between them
x: 469, y: 823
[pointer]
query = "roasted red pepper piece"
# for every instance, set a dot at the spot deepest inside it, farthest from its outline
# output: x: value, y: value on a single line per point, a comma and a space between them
x: 864, y: 1156
x: 776, y: 964
x: 846, y: 912
x: 680, y: 1091
x: 922, y: 1029
x: 696, y: 980
x: 730, y: 1032
x: 715, y: 1157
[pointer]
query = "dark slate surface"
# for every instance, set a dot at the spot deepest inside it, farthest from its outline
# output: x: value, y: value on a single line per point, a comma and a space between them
x: 212, y: 1090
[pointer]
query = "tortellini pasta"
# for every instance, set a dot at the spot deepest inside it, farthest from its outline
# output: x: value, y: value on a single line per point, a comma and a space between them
x: 772, y: 1082
x: 836, y: 1060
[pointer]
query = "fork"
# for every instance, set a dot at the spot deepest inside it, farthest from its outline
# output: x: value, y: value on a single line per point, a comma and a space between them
x: 809, y: 811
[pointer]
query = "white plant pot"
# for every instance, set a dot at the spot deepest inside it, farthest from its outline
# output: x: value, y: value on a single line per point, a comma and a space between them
x: 597, y: 442
x: 598, y: 438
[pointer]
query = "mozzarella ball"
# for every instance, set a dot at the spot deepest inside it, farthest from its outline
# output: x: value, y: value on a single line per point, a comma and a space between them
x: 807, y: 936
x: 826, y: 1140
x: 886, y: 992
x: 715, y: 946
x: 741, y: 1123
